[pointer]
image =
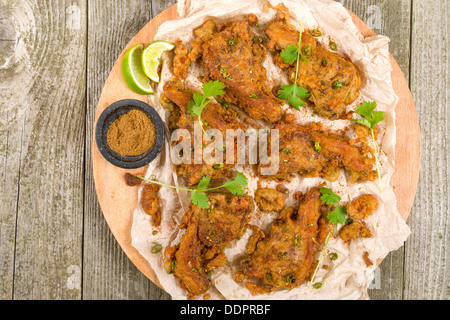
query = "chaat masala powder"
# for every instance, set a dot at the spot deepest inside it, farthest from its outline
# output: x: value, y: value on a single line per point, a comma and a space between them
x: 131, y: 134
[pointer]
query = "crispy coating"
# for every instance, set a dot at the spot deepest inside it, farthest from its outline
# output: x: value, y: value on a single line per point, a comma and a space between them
x: 269, y: 199
x: 321, y: 72
x: 283, y: 259
x: 298, y: 154
x: 232, y: 57
x: 188, y: 263
x: 362, y: 207
x: 354, y: 230
x: 204, y: 33
x: 214, y: 115
x: 207, y: 232
x: 150, y: 202
x: 181, y: 62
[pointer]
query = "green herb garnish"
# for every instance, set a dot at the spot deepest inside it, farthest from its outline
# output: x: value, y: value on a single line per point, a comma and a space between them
x: 317, y: 146
x: 294, y: 94
x: 371, y: 119
x: 315, y: 33
x: 329, y: 197
x: 287, y: 151
x: 198, y: 195
x: 210, y: 89
x: 337, y: 84
x: 337, y: 216
x: 156, y: 248
x: 333, y: 46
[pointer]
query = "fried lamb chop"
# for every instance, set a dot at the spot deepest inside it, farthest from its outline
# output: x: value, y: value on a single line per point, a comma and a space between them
x: 176, y: 99
x: 312, y: 152
x: 233, y: 55
x: 332, y: 81
x: 283, y: 259
x: 208, y: 231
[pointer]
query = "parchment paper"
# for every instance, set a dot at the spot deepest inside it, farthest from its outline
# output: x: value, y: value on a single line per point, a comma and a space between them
x: 348, y: 277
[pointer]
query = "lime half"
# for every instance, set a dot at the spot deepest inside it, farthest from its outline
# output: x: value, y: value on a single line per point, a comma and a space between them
x: 132, y: 72
x: 151, y: 58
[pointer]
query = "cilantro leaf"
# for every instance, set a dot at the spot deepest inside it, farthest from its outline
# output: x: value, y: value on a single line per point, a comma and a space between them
x: 289, y: 55
x: 371, y: 118
x: 329, y: 197
x: 210, y: 89
x: 365, y: 109
x: 235, y: 189
x: 204, y: 183
x: 363, y: 122
x: 338, y: 216
x: 293, y: 95
x: 240, y: 179
x: 200, y: 199
x: 235, y: 186
x: 213, y: 88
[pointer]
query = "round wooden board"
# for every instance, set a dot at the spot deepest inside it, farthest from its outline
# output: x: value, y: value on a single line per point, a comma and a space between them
x: 118, y: 201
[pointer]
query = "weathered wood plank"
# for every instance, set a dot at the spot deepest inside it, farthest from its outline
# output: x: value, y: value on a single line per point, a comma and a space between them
x: 427, y: 267
x: 44, y: 76
x: 392, y: 19
x: 11, y: 135
x: 107, y: 272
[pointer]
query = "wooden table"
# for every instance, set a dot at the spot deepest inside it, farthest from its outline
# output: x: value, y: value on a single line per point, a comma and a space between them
x: 54, y: 59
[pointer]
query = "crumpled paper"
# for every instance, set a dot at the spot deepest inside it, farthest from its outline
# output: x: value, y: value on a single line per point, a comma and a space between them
x: 348, y: 277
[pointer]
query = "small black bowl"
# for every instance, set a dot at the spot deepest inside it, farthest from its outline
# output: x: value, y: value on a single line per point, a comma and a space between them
x: 110, y: 115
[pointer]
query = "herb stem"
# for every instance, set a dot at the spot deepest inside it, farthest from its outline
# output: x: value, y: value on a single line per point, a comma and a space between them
x: 180, y: 188
x: 164, y: 185
x: 377, y: 160
x: 321, y: 256
x: 299, y: 51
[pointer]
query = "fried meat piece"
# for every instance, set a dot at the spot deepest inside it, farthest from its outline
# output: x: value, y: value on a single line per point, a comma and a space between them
x: 214, y: 116
x: 181, y: 62
x: 311, y: 152
x: 207, y: 232
x: 332, y: 81
x: 283, y: 259
x: 204, y: 33
x: 188, y: 263
x: 150, y: 202
x: 362, y: 207
x: 269, y: 199
x: 232, y: 57
x: 354, y: 230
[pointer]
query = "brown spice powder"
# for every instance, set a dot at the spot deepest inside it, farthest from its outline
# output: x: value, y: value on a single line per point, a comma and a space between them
x: 131, y: 134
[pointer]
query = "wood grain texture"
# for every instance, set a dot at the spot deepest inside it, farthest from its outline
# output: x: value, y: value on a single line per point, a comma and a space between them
x: 50, y: 111
x: 392, y: 19
x: 428, y: 249
x: 107, y: 272
x: 111, y: 189
x: 55, y: 57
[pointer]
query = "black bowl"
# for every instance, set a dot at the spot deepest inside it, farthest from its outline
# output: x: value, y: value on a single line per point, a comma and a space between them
x: 110, y: 115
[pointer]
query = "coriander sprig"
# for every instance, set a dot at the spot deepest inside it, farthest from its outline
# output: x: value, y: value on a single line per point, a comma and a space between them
x: 210, y: 89
x: 294, y: 94
x: 198, y: 195
x: 371, y: 119
x: 336, y: 217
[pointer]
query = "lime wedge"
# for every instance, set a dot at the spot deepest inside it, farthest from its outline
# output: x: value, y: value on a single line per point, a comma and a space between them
x: 151, y: 58
x: 132, y: 72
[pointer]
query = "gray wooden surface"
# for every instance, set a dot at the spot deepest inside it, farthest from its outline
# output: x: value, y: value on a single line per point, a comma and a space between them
x: 54, y: 59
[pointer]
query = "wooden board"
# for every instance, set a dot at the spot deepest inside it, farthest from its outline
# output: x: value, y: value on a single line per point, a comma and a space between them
x: 118, y: 201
